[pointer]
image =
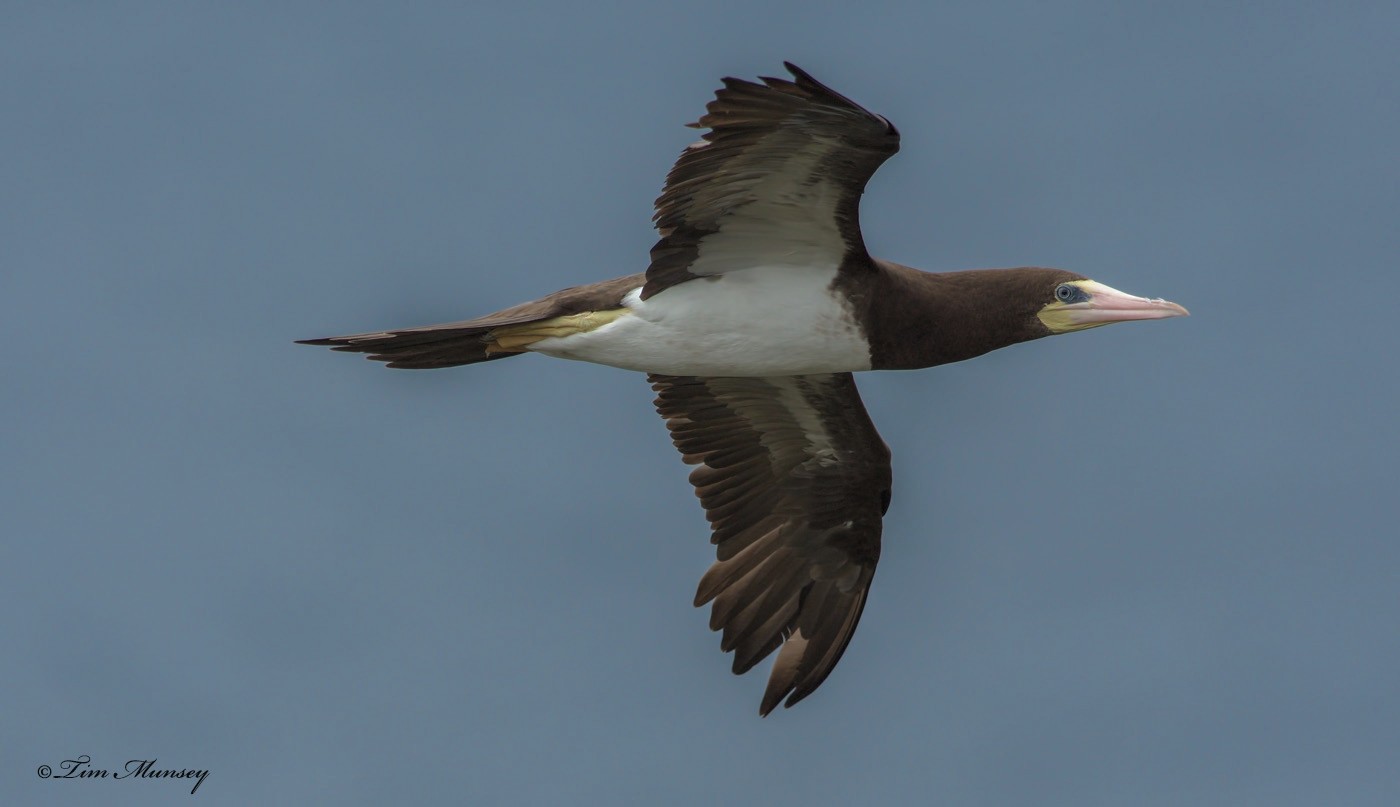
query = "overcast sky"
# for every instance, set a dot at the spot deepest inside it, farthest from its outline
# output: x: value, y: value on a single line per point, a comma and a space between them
x: 1152, y: 564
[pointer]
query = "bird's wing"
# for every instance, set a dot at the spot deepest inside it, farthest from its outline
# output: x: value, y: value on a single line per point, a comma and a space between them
x: 794, y: 480
x: 776, y: 181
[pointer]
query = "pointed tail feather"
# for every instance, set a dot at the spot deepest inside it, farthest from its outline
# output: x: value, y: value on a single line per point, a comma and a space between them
x: 435, y: 346
x: 505, y: 333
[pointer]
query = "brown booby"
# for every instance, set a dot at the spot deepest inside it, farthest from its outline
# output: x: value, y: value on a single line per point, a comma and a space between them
x: 759, y: 303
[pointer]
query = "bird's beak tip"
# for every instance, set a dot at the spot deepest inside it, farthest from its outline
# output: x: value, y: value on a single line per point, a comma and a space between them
x: 1111, y: 305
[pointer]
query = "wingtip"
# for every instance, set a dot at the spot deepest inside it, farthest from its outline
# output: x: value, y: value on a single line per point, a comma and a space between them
x: 773, y: 697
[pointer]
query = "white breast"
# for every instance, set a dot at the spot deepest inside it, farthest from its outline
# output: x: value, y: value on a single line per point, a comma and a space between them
x: 765, y: 321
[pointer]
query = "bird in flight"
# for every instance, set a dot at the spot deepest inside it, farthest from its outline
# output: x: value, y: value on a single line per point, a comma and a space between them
x: 758, y: 305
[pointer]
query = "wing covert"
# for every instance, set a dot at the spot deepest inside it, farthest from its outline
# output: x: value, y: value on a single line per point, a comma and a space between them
x: 776, y: 181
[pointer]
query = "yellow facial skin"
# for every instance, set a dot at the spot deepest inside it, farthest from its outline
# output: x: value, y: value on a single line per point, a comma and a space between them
x: 1096, y: 304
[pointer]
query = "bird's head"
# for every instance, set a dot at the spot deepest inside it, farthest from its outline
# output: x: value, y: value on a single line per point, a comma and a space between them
x: 966, y: 314
x: 1073, y: 303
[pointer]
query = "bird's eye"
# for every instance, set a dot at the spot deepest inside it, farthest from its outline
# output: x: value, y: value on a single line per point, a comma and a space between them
x: 1065, y: 292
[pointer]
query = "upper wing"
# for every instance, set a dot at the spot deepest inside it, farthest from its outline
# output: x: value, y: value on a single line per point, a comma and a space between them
x: 794, y: 480
x: 776, y: 180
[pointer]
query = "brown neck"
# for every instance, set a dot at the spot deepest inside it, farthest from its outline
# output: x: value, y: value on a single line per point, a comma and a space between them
x: 919, y: 319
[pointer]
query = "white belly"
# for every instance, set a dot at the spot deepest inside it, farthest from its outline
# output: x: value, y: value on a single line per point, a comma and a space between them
x: 765, y: 321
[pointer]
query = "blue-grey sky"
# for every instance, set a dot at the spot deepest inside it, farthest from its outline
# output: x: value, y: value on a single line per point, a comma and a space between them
x: 1152, y: 564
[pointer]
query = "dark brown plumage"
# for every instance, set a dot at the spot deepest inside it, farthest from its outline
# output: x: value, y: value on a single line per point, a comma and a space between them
x: 468, y: 342
x: 798, y: 134
x: 794, y: 480
x: 914, y: 319
x: 759, y: 302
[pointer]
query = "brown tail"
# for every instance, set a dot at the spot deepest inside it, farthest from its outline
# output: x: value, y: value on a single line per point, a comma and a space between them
x: 424, y: 348
x: 494, y: 336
